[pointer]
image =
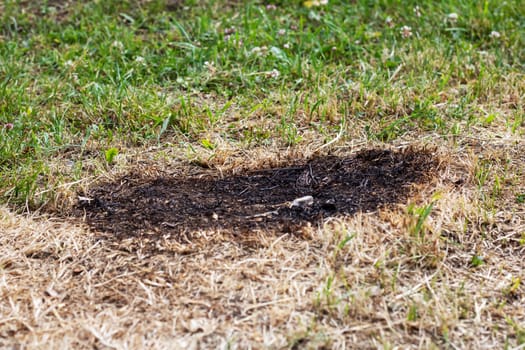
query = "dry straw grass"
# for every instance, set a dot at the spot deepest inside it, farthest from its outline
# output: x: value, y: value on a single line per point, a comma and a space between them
x: 387, y: 287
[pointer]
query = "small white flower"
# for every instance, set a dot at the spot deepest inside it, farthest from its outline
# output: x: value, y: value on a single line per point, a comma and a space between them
x: 118, y: 45
x: 274, y: 74
x: 495, y: 35
x: 281, y: 32
x: 406, y: 31
x: 389, y: 21
x: 323, y: 2
x: 286, y: 46
x: 453, y: 17
x: 259, y: 51
x: 417, y: 11
x: 229, y: 31
x: 140, y: 60
x: 69, y: 63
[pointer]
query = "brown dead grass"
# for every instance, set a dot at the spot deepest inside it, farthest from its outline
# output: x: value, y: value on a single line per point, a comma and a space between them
x: 61, y: 287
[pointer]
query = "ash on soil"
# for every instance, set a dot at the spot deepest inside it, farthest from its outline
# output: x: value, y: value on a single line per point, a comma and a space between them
x: 171, y: 206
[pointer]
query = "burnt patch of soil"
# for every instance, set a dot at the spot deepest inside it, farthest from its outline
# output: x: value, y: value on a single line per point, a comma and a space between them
x: 171, y: 206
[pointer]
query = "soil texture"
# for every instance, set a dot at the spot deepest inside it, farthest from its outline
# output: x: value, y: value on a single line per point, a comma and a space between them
x: 277, y: 199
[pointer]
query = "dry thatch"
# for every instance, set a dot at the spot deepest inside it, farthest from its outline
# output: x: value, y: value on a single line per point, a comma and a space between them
x: 368, y: 280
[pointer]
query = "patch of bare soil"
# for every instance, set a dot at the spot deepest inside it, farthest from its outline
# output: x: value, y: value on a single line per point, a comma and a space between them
x: 171, y: 206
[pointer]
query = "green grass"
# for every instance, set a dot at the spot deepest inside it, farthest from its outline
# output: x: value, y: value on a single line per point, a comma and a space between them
x: 102, y: 75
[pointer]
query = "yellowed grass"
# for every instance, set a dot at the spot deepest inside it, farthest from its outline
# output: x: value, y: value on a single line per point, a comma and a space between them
x: 63, y: 287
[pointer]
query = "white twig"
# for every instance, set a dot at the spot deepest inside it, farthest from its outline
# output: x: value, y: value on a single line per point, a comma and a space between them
x: 337, y: 138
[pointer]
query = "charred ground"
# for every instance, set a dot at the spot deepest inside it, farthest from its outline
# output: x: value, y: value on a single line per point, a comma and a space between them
x: 172, y: 206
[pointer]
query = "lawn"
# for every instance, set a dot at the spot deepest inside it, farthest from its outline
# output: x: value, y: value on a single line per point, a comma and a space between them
x: 262, y: 174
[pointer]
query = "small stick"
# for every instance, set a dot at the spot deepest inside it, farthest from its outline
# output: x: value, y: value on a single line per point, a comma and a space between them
x: 339, y: 135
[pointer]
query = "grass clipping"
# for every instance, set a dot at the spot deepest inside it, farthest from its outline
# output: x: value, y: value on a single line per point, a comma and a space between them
x: 440, y: 270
